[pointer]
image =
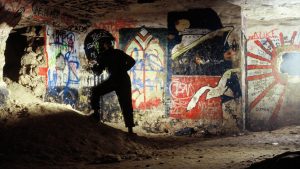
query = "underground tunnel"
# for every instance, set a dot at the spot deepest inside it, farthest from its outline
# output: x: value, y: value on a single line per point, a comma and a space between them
x: 214, y: 84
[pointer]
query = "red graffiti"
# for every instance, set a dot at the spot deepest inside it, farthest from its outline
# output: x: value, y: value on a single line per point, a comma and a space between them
x: 43, y: 71
x: 183, y: 88
x: 262, y: 35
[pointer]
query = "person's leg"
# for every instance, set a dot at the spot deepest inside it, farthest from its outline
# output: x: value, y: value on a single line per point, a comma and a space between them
x: 97, y: 91
x: 124, y: 96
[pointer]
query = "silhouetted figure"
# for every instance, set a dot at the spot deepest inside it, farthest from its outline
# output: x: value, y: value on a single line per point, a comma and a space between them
x: 117, y: 63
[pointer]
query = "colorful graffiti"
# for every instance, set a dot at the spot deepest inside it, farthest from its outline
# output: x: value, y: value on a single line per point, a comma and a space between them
x: 63, y: 66
x: 148, y: 75
x: 268, y: 78
x: 200, y: 51
x: 198, y: 48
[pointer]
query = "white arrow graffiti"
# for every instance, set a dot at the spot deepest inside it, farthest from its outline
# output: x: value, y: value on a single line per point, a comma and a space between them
x: 213, y: 92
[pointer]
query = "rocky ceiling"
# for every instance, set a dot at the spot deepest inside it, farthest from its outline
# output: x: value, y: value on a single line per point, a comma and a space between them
x: 90, y: 11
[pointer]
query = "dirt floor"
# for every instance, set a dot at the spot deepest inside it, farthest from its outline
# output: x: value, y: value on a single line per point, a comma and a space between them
x: 37, y: 135
x: 47, y: 135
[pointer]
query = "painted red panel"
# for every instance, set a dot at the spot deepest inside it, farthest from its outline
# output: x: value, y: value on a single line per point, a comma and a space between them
x: 183, y: 88
x: 43, y: 71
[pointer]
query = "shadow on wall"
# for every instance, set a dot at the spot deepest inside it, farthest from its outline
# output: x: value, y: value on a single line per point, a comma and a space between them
x: 11, y: 18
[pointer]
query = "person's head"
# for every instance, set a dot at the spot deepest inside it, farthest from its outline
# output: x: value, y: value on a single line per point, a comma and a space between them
x: 106, y: 43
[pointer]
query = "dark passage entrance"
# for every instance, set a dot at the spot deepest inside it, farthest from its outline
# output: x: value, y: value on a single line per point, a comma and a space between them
x: 15, y: 49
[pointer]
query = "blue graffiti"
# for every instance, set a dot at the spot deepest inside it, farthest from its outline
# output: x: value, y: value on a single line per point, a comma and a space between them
x: 63, y: 79
x: 150, y: 63
x: 137, y: 82
x: 154, y: 66
x: 63, y: 39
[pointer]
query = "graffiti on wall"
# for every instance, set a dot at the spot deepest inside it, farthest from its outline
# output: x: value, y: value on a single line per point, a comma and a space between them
x: 197, y: 97
x: 63, y: 66
x: 271, y: 66
x: 183, y: 89
x: 262, y: 35
x: 200, y: 51
x: 147, y: 47
x: 198, y: 48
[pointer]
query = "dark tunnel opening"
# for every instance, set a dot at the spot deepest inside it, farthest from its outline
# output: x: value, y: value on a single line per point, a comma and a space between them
x: 15, y: 49
x: 20, y: 42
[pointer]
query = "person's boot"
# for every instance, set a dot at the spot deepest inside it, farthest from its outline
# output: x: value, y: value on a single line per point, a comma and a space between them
x: 95, y: 115
x: 130, y: 131
x: 130, y: 134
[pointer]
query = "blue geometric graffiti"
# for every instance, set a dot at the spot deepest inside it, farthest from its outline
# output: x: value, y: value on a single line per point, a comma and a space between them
x: 148, y: 64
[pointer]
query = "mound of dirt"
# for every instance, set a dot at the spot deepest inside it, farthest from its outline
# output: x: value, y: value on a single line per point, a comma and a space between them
x: 49, y: 133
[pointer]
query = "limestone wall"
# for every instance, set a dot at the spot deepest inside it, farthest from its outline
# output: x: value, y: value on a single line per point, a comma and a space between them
x: 9, y: 18
x: 271, y: 44
x: 163, y: 86
x: 170, y: 92
x: 272, y: 75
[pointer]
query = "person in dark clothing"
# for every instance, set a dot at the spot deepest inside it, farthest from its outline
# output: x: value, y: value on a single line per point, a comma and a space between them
x: 116, y: 63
